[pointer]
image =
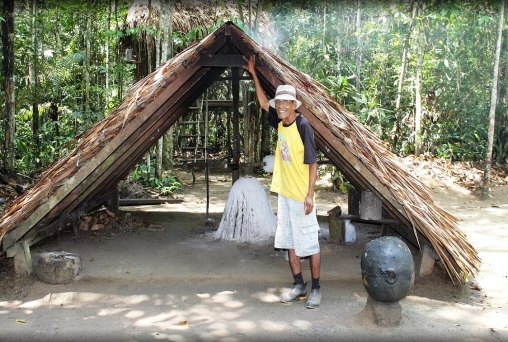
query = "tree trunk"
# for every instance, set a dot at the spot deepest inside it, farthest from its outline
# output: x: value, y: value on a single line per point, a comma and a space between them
x: 265, y: 134
x: 258, y: 14
x: 358, y: 55
x: 32, y: 71
x: 418, y: 94
x: 56, y: 96
x: 8, y: 59
x: 250, y: 15
x: 493, y: 102
x: 402, y: 74
x: 87, y: 57
x: 167, y: 53
x: 324, y: 28
x: 240, y: 10
x: 110, y: 10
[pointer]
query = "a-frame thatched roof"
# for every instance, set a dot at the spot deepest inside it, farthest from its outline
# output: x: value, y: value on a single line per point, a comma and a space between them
x: 108, y: 150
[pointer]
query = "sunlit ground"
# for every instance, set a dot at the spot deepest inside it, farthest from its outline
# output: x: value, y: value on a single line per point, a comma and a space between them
x: 180, y: 284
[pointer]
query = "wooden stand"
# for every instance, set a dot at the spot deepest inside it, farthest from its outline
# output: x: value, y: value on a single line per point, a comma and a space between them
x: 336, y: 226
x: 23, y: 260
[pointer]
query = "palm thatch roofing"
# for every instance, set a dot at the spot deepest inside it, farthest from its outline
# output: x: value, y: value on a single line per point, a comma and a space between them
x: 107, y: 151
x: 189, y: 14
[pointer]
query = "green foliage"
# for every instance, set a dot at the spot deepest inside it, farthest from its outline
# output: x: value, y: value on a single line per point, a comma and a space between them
x: 166, y: 186
x: 320, y: 38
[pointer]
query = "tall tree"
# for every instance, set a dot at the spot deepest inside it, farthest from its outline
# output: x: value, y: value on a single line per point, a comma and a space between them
x: 111, y: 6
x: 10, y: 108
x: 88, y: 32
x: 167, y: 53
x: 493, y: 103
x: 34, y: 87
x: 358, y: 54
x: 418, y: 90
x: 402, y: 73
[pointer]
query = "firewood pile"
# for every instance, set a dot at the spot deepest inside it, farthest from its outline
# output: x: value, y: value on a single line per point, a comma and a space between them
x: 99, y: 220
x: 105, y: 223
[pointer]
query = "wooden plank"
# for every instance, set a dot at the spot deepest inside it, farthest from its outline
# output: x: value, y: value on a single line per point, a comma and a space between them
x: 221, y: 61
x: 357, y: 218
x: 35, y: 235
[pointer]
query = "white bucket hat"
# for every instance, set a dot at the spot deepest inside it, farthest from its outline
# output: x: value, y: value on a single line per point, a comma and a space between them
x: 285, y: 92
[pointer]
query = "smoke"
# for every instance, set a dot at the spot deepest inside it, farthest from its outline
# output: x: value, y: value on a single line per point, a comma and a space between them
x: 248, y: 215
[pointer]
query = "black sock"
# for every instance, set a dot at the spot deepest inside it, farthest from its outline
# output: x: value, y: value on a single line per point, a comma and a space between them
x: 315, y: 283
x: 298, y: 278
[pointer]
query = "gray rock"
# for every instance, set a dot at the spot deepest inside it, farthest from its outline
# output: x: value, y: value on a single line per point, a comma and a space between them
x: 58, y: 267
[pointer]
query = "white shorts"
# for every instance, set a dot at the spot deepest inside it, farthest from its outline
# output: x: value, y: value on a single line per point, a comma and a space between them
x: 295, y: 230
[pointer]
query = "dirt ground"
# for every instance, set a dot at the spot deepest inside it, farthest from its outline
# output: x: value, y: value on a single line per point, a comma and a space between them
x: 169, y: 279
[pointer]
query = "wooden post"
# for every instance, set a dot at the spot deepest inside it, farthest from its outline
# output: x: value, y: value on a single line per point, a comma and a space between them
x: 370, y: 206
x: 23, y: 259
x: 336, y: 226
x: 425, y: 260
x: 235, y: 72
x: 353, y: 201
x: 113, y: 201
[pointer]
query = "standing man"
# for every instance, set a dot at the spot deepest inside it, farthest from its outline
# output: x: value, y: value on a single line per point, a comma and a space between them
x: 294, y: 176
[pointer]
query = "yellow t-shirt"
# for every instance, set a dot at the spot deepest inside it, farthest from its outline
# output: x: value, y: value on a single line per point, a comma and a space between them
x: 290, y: 174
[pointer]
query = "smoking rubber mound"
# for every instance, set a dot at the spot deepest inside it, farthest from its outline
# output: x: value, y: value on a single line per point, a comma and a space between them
x: 248, y: 216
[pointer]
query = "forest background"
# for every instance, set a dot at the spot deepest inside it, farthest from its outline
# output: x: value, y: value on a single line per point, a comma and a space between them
x: 426, y: 76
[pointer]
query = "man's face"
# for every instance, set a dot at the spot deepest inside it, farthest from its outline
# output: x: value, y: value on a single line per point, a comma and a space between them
x: 284, y: 108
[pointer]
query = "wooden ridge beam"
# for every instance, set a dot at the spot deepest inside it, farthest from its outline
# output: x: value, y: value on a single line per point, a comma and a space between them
x: 221, y: 60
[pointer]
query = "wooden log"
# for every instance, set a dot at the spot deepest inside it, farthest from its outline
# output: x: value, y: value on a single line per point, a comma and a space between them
x: 235, y: 85
x: 148, y: 201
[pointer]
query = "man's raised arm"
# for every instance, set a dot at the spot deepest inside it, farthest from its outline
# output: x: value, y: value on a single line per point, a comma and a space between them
x: 251, y: 68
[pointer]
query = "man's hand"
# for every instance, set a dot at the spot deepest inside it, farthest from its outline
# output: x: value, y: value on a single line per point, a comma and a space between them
x: 308, y: 204
x: 251, y: 64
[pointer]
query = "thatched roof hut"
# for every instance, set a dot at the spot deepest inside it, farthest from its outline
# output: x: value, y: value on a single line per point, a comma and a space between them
x: 108, y: 150
x: 189, y: 14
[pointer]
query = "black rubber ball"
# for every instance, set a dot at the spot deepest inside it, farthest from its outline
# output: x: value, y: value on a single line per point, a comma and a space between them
x: 387, y: 269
